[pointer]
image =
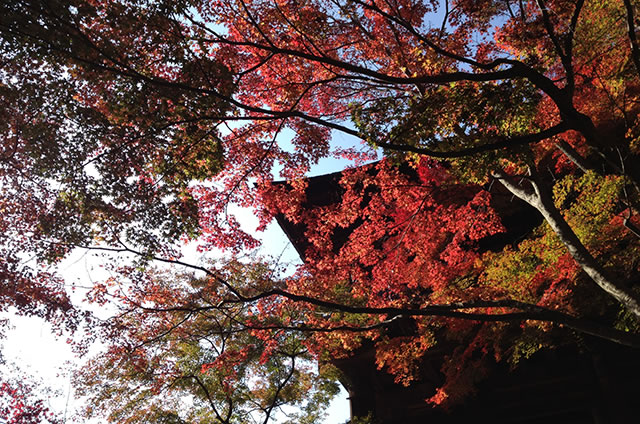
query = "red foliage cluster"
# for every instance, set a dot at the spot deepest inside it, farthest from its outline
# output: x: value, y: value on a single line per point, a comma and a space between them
x: 19, y: 406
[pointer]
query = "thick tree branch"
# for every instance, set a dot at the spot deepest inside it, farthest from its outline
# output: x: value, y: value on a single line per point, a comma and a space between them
x: 574, y: 156
x: 453, y: 311
x: 523, y: 311
x: 537, y: 197
x: 441, y: 78
x: 501, y: 144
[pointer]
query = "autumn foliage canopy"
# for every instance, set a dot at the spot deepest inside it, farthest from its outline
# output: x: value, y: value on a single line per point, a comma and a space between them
x: 132, y: 127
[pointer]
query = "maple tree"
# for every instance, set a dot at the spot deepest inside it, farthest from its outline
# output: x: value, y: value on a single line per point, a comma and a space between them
x: 134, y: 123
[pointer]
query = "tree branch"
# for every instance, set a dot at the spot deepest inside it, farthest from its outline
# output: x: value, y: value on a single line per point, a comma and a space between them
x: 504, y: 143
x: 537, y: 197
x: 631, y: 32
x: 524, y: 311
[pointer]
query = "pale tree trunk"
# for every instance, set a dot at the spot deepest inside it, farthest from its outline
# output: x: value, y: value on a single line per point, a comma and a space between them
x: 543, y: 202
